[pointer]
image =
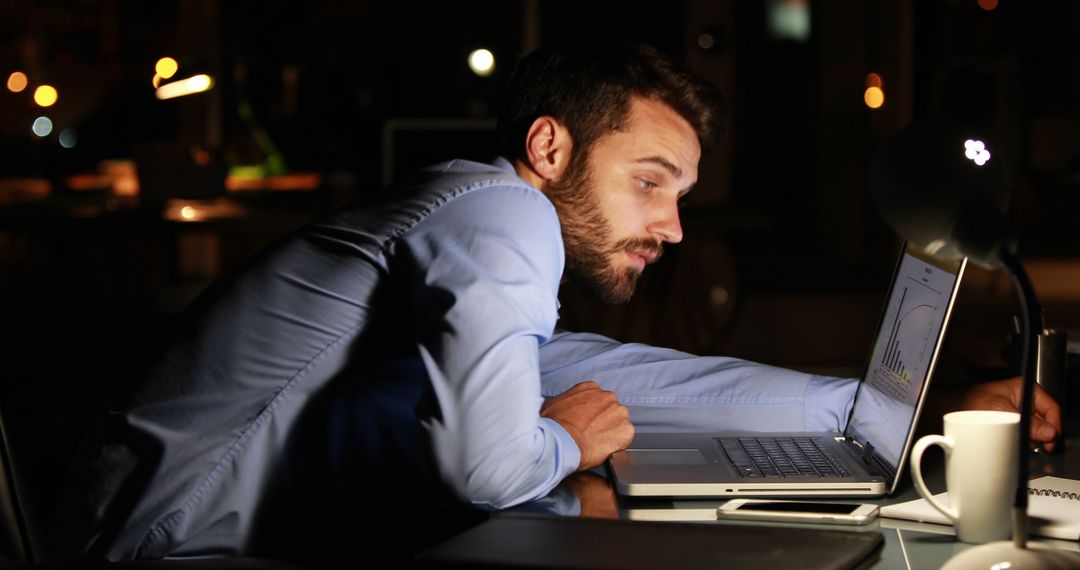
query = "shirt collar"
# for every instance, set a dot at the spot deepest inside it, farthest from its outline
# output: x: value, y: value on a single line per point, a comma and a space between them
x: 502, y: 163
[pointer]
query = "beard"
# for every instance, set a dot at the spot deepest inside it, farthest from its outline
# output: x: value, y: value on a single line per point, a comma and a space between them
x: 588, y: 237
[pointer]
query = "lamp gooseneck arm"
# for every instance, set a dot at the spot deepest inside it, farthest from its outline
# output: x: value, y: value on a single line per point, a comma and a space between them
x: 1032, y: 326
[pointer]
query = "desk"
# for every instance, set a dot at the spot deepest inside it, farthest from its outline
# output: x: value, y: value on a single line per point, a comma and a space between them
x: 908, y: 545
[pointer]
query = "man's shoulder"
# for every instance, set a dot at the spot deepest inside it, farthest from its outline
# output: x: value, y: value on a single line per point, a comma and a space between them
x: 459, y: 193
x: 482, y: 185
x: 460, y: 175
x: 462, y: 165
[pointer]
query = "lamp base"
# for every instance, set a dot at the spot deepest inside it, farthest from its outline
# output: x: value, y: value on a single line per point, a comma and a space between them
x: 1004, y: 554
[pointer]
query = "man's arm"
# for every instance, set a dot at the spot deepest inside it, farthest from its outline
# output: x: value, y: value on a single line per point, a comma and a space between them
x: 594, y: 418
x: 487, y: 268
x: 669, y: 390
x: 1001, y: 395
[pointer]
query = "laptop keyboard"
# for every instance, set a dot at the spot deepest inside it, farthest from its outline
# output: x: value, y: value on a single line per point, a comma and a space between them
x: 780, y: 457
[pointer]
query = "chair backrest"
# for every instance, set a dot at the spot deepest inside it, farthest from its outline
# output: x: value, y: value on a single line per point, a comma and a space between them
x: 17, y: 538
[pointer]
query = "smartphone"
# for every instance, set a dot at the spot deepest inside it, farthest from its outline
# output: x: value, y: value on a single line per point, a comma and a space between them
x: 797, y: 511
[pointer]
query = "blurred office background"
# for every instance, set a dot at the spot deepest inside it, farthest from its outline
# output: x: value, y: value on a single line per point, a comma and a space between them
x: 117, y: 207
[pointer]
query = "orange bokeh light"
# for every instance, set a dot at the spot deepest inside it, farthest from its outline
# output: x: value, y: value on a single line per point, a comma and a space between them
x: 17, y: 81
x: 874, y: 97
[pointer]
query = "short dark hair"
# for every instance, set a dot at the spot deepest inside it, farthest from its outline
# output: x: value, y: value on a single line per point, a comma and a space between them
x: 588, y: 87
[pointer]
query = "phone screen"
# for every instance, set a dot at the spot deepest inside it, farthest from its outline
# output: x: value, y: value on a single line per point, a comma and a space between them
x: 800, y: 507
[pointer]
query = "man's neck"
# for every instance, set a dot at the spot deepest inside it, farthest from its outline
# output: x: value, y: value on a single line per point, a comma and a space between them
x: 528, y: 174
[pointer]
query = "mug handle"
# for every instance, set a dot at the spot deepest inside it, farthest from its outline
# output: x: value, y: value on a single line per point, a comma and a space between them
x: 916, y: 471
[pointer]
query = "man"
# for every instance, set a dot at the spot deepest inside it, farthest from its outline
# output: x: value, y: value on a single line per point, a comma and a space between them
x: 400, y: 356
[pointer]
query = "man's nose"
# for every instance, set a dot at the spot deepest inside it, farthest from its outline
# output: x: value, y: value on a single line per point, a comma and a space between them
x: 667, y: 226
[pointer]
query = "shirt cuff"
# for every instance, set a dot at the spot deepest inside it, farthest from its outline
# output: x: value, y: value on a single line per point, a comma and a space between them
x: 828, y: 402
x: 567, y: 453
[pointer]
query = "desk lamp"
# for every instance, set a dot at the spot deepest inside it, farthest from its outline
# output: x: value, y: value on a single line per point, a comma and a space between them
x: 940, y: 187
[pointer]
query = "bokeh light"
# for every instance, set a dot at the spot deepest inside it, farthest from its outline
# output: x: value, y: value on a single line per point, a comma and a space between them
x: 874, y: 97
x: 976, y: 151
x: 482, y: 62
x: 195, y: 84
x: 17, y: 81
x: 69, y: 138
x: 45, y: 95
x: 42, y: 126
x: 166, y: 67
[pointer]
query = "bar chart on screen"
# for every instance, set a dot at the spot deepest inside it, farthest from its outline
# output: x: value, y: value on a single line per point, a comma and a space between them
x: 916, y: 311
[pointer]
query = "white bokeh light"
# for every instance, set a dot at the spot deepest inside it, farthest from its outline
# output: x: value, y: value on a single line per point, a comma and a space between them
x: 42, y: 126
x: 482, y: 62
x: 976, y: 151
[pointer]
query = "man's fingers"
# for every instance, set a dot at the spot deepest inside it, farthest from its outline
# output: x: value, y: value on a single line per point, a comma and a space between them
x: 1042, y: 430
x: 1046, y: 408
x: 1046, y: 421
x: 582, y: 386
x: 594, y: 418
x: 1043, y: 433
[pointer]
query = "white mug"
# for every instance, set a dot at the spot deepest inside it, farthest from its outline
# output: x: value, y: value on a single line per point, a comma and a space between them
x: 980, y: 472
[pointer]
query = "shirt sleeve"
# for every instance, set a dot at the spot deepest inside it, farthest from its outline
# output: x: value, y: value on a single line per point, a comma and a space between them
x: 668, y: 390
x: 487, y: 268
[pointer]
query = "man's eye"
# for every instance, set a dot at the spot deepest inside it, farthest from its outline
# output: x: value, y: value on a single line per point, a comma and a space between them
x: 646, y: 184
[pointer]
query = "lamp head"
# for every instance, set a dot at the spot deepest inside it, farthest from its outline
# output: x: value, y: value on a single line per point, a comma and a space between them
x: 940, y: 187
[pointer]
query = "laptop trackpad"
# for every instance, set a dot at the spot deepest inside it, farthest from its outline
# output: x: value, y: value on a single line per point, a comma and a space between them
x: 665, y: 457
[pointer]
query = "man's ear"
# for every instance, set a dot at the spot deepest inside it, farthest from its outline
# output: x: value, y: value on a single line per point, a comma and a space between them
x: 547, y: 147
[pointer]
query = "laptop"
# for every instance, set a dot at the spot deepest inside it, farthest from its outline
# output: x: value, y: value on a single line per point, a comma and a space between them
x: 866, y: 459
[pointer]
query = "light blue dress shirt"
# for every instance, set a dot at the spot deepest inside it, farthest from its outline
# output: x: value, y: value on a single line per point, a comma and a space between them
x: 668, y: 390
x: 432, y: 310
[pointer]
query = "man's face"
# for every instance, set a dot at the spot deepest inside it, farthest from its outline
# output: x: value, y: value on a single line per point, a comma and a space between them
x: 619, y: 206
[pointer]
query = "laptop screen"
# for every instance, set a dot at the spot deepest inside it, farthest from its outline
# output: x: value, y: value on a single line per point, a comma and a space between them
x: 904, y: 354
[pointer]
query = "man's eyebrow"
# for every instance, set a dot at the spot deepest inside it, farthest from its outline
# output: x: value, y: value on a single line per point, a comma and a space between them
x: 663, y: 162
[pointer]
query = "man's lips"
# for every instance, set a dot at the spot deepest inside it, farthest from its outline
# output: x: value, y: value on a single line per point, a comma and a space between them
x: 648, y: 256
x: 642, y: 258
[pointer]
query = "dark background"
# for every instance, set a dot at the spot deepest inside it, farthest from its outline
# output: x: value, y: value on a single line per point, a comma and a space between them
x: 785, y: 259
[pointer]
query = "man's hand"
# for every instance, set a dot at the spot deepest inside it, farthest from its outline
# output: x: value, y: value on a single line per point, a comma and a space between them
x: 594, y: 418
x: 1004, y: 395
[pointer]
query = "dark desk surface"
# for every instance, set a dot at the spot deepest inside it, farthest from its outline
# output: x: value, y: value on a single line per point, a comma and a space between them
x: 907, y: 544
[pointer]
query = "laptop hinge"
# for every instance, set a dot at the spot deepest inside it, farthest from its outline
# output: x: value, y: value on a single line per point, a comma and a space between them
x: 866, y: 449
x: 868, y: 452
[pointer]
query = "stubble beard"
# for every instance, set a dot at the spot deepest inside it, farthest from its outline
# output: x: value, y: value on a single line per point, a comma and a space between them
x: 587, y: 237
